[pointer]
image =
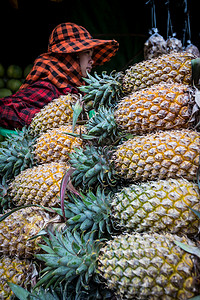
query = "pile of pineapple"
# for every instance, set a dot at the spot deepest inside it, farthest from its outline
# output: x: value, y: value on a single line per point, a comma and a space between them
x: 99, y: 195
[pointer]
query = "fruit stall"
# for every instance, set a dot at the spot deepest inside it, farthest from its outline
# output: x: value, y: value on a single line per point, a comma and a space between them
x: 100, y: 194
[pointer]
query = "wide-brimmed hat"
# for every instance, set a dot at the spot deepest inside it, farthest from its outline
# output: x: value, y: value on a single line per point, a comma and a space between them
x: 72, y: 38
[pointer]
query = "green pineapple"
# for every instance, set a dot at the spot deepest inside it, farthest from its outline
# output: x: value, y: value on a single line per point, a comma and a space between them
x: 145, y: 266
x: 154, y: 206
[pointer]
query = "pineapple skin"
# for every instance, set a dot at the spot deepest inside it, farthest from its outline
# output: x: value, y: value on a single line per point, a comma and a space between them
x: 55, y: 145
x: 161, y: 107
x: 56, y: 113
x: 18, y: 228
x: 148, y: 266
x: 38, y: 185
x: 13, y: 270
x: 162, y: 155
x: 156, y: 206
x: 173, y: 67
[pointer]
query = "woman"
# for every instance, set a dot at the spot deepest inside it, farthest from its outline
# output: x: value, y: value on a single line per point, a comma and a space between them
x: 72, y: 52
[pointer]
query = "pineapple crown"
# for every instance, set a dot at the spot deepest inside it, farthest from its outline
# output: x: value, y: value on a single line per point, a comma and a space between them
x: 92, y: 167
x: 90, y: 212
x: 105, y: 90
x: 68, y: 256
x: 102, y: 125
x: 16, y: 153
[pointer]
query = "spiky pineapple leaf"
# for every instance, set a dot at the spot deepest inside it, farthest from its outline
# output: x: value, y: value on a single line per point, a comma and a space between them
x: 92, y: 167
x: 74, y: 256
x: 19, y: 292
x: 77, y: 109
x: 191, y: 249
x: 103, y: 126
x: 196, y: 212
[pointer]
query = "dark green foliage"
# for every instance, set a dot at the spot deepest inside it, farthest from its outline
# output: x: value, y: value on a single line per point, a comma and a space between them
x: 105, y: 90
x: 90, y: 212
x: 103, y: 126
x: 92, y: 167
x: 70, y: 257
x: 4, y: 198
x: 16, y: 153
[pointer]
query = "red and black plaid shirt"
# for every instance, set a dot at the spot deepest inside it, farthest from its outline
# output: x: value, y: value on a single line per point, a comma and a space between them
x: 18, y: 110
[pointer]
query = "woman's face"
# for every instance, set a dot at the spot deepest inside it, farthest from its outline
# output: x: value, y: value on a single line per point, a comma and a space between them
x: 86, y: 62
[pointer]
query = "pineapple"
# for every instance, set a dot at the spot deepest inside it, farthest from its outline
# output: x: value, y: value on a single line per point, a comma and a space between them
x: 17, y: 228
x: 148, y: 266
x: 56, y: 113
x: 170, y: 154
x: 161, y: 107
x: 106, y: 90
x: 174, y: 67
x: 13, y: 270
x: 39, y: 185
x: 154, y: 206
x: 56, y: 145
x: 161, y: 155
x: 144, y: 266
x: 22, y: 151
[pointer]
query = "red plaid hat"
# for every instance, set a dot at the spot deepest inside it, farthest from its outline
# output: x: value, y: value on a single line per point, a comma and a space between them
x: 72, y: 38
x: 59, y: 65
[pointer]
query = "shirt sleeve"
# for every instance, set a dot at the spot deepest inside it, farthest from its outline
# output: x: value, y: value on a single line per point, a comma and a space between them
x: 18, y: 109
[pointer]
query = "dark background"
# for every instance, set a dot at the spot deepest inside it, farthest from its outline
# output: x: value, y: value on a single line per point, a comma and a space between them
x: 24, y: 32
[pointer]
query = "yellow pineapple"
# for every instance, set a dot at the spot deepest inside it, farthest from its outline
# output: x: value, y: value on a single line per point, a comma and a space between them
x: 160, y: 107
x: 166, y: 154
x: 175, y: 67
x: 161, y: 155
x: 58, y: 112
x: 38, y: 185
x: 17, y: 228
x: 13, y: 270
x: 22, y: 151
x: 56, y: 144
x: 148, y: 266
x: 163, y: 106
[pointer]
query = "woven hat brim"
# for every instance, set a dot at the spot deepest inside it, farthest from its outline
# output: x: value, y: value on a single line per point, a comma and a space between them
x: 104, y: 50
